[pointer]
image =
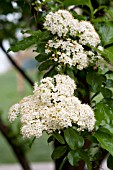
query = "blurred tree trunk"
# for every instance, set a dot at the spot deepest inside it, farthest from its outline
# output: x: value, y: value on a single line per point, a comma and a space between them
x: 19, y: 153
x: 5, y: 130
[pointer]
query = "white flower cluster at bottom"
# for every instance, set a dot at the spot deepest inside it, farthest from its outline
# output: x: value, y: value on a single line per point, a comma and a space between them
x: 52, y: 108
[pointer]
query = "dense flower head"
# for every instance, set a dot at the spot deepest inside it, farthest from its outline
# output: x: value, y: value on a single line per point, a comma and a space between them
x: 88, y: 35
x: 60, y: 22
x: 67, y: 52
x: 14, y: 110
x: 73, y: 40
x: 63, y: 24
x: 52, y: 107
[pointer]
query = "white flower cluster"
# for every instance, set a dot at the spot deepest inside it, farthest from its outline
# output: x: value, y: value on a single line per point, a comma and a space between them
x: 88, y: 35
x: 61, y: 23
x: 71, y: 37
x: 52, y: 107
x: 14, y: 112
x: 68, y: 52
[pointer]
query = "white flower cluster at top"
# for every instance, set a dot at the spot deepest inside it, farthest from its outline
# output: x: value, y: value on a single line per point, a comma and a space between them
x: 61, y: 23
x: 71, y: 37
x: 52, y: 107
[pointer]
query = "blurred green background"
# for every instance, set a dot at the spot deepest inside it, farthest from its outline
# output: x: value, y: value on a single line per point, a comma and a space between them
x: 9, y: 95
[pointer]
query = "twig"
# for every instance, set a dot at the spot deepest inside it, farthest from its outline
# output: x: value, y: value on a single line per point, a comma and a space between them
x: 16, y: 66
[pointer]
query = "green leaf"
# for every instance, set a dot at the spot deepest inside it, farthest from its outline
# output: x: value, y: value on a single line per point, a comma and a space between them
x: 108, y: 54
x: 110, y: 12
x: 80, y: 141
x: 73, y: 157
x: 106, y: 92
x: 42, y: 57
x: 109, y: 72
x: 103, y: 2
x: 84, y: 156
x: 26, y: 42
x: 46, y: 65
x: 45, y: 35
x: 23, y: 44
x: 40, y: 47
x: 70, y: 72
x: 51, y: 72
x: 109, y: 103
x: 30, y: 145
x: 57, y: 136
x: 109, y: 83
x: 78, y: 2
x: 110, y: 162
x: 58, y: 152
x: 105, y: 30
x: 32, y: 32
x: 105, y: 140
x: 82, y: 91
x: 50, y: 139
x: 103, y: 113
x: 107, y: 129
x: 79, y: 17
x: 95, y: 81
x: 73, y: 139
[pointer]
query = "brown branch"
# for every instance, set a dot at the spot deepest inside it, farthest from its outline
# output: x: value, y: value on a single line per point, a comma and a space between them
x: 17, y: 149
x: 16, y: 66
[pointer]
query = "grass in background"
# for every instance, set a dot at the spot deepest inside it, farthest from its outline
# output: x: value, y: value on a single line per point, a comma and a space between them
x: 8, y: 91
x: 40, y: 151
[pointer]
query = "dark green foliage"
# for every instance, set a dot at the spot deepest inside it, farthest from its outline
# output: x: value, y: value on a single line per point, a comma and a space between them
x: 30, y: 145
x: 103, y: 113
x: 50, y: 139
x: 105, y: 140
x: 58, y: 152
x: 46, y: 65
x: 107, y: 128
x: 109, y: 83
x: 73, y: 157
x: 70, y: 72
x: 42, y: 57
x: 95, y: 80
x: 106, y: 92
x: 22, y: 45
x: 106, y: 32
x: 73, y: 138
x: 110, y: 162
x: 57, y: 136
x: 78, y: 2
